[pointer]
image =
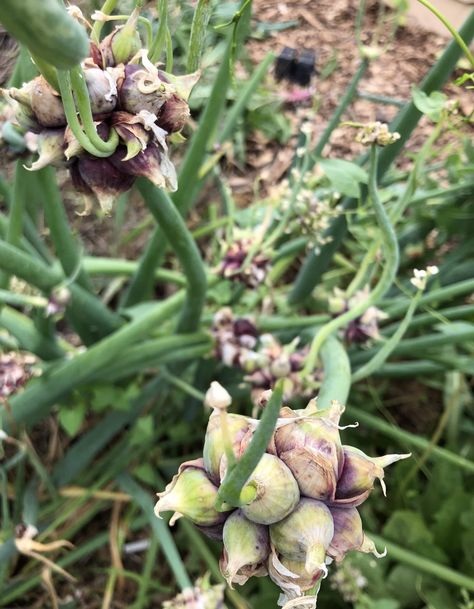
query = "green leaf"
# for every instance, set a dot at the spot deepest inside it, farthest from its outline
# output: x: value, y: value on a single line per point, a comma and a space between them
x: 431, y: 105
x: 345, y: 177
x: 446, y: 529
x: 143, y: 431
x: 408, y: 527
x: 445, y: 481
x: 385, y: 603
x: 402, y: 583
x: 439, y: 597
x: 72, y: 417
x: 104, y: 396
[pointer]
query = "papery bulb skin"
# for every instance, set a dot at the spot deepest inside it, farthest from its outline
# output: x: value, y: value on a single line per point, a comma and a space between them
x: 359, y: 475
x: 141, y: 90
x: 183, y: 85
x: 20, y: 101
x: 131, y: 133
x: 305, y: 534
x: 174, y: 114
x: 43, y: 101
x: 246, y: 547
x: 291, y: 575
x: 312, y: 449
x: 50, y: 149
x: 152, y: 163
x: 46, y: 104
x: 98, y: 177
x: 348, y: 534
x: 102, y: 91
x: 276, y: 491
x: 191, y: 494
x: 214, y: 442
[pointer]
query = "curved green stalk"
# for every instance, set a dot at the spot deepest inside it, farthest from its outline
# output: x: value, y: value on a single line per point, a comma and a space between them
x: 107, y: 8
x: 159, y: 41
x: 388, y: 274
x: 203, y: 136
x: 420, y: 563
x: 397, y: 211
x: 276, y: 323
x: 141, y: 285
x: 155, y: 353
x: 81, y: 92
x: 28, y: 337
x: 337, y: 374
x: 236, y: 478
x: 15, y: 218
x: 89, y: 316
x: 388, y: 347
x: 96, y: 265
x: 47, y: 71
x: 67, y: 249
x: 180, y: 240
x: 64, y: 81
x: 439, y: 15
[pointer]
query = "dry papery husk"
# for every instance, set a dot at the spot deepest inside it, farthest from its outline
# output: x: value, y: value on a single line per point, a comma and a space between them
x: 291, y: 576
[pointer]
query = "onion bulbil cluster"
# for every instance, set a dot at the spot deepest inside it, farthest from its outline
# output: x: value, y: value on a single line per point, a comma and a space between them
x: 131, y: 101
x: 300, y: 507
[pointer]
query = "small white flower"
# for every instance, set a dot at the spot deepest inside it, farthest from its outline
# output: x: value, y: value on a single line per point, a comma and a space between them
x: 421, y: 276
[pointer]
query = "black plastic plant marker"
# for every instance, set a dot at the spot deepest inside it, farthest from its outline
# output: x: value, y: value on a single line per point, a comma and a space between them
x: 304, y: 68
x: 285, y: 64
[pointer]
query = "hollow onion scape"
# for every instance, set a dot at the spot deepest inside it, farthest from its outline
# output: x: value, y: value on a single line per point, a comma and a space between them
x: 297, y: 511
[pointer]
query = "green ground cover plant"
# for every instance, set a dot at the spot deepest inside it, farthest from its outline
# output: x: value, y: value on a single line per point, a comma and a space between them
x: 349, y: 291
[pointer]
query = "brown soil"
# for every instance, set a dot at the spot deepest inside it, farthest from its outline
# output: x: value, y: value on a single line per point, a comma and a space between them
x: 328, y: 28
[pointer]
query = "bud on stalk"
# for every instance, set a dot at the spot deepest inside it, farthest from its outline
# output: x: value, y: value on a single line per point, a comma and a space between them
x: 305, y: 535
x: 276, y: 491
x: 191, y: 494
x: 246, y: 547
x: 348, y: 534
x: 359, y: 474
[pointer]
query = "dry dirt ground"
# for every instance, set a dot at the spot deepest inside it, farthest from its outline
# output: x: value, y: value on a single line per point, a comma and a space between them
x: 328, y: 28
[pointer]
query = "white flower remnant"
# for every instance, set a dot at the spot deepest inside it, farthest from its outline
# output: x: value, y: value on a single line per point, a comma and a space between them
x: 421, y: 276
